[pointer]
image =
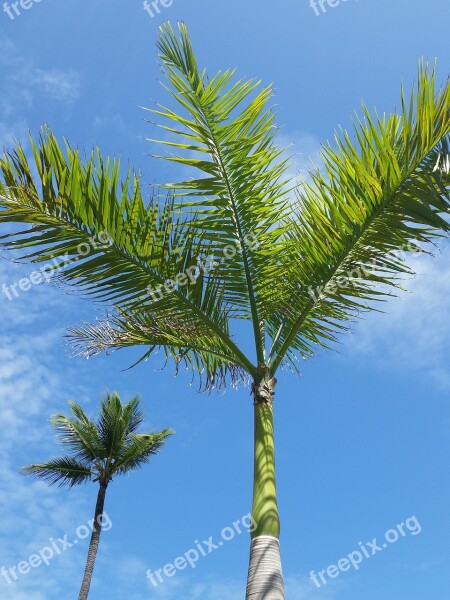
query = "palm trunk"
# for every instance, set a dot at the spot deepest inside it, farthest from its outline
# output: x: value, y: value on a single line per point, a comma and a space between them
x: 265, y: 578
x: 93, y: 545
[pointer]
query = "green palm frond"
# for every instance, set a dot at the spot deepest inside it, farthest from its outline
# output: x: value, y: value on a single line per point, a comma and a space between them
x: 112, y: 424
x: 109, y: 243
x: 190, y: 344
x: 62, y: 471
x: 116, y: 423
x: 241, y: 193
x: 78, y: 434
x: 139, y: 450
x: 136, y: 417
x: 379, y: 197
x: 103, y: 239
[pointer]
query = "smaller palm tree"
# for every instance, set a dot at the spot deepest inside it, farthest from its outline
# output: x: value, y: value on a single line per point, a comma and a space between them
x: 98, y: 451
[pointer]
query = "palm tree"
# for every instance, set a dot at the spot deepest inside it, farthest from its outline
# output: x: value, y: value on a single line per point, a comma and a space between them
x: 239, y: 242
x: 98, y: 451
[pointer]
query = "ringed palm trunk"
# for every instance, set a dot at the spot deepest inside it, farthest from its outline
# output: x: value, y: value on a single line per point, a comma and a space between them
x: 265, y: 578
x: 94, y: 543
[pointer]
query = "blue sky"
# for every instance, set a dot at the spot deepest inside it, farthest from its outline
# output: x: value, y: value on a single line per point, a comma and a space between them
x: 364, y: 433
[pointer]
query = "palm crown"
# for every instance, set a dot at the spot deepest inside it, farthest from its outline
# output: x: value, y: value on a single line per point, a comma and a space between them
x: 99, y: 450
x: 302, y: 266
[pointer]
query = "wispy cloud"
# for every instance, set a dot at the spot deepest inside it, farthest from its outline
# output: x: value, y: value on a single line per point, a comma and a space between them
x: 414, y: 334
x: 10, y: 133
x: 111, y: 122
x: 31, y: 388
x: 25, y: 85
x: 63, y: 86
x: 303, y: 150
x: 20, y: 74
x: 210, y: 588
x: 303, y: 589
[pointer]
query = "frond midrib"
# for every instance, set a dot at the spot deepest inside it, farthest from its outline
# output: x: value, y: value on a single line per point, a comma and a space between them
x: 259, y: 343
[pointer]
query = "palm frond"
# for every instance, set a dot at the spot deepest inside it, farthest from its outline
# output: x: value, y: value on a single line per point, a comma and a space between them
x: 78, y: 434
x: 241, y: 194
x: 442, y: 165
x: 380, y: 196
x: 115, y: 422
x: 139, y: 450
x: 184, y: 341
x: 108, y: 242
x: 62, y: 471
x: 136, y: 415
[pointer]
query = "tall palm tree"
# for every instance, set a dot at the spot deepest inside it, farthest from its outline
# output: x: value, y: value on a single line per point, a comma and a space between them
x: 239, y: 242
x: 98, y: 451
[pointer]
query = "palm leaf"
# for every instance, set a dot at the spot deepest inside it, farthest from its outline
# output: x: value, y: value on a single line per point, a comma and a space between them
x: 136, y: 417
x: 63, y: 471
x: 190, y: 344
x: 132, y: 248
x: 242, y: 193
x: 379, y: 196
x: 139, y: 450
x: 112, y: 424
x: 79, y: 435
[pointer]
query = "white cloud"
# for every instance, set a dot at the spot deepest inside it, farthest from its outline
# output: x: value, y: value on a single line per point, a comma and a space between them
x: 298, y: 587
x: 32, y: 388
x: 63, y: 86
x: 111, y: 122
x: 24, y: 84
x: 20, y: 71
x: 10, y: 133
x: 302, y: 588
x: 303, y: 150
x: 414, y: 334
x: 18, y: 595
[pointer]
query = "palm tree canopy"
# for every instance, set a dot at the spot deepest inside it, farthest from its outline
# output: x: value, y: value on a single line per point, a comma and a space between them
x: 98, y: 450
x: 298, y: 265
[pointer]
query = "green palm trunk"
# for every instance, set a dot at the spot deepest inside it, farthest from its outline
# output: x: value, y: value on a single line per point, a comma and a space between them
x: 265, y: 508
x: 265, y: 579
